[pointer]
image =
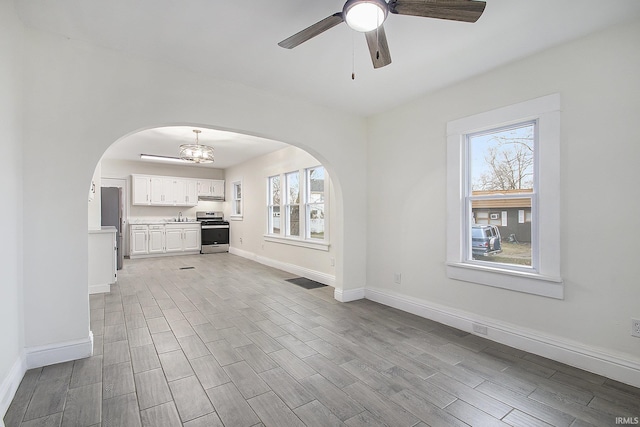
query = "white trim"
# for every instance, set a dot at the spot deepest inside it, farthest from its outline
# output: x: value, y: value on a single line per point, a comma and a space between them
x: 547, y: 281
x: 10, y: 385
x: 161, y: 254
x: 318, y: 276
x: 294, y: 241
x: 592, y: 359
x: 349, y: 295
x: 59, y: 352
x: 99, y: 289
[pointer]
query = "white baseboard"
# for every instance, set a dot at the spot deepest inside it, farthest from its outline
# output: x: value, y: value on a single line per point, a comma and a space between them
x: 10, y: 384
x: 349, y: 294
x: 324, y: 278
x: 99, y: 289
x: 576, y: 354
x: 59, y: 352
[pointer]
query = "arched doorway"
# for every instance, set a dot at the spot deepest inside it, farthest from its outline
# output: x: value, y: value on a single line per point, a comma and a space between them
x: 247, y: 162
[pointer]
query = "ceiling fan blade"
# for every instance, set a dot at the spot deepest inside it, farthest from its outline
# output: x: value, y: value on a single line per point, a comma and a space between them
x: 378, y: 47
x: 455, y: 10
x: 312, y: 31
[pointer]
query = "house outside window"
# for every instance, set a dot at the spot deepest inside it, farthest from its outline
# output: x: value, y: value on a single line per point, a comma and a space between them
x: 503, y: 198
x: 304, y: 204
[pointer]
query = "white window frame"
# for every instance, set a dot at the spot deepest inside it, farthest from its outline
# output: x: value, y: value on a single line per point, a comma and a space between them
x: 301, y: 240
x: 289, y: 204
x: 235, y: 199
x: 544, y: 278
x: 309, y: 205
x: 270, y: 206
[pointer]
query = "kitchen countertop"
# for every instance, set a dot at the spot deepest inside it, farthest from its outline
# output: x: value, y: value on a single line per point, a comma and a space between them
x: 105, y: 229
x: 142, y: 221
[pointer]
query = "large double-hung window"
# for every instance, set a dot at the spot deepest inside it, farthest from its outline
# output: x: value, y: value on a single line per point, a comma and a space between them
x: 503, y: 196
x: 303, y: 203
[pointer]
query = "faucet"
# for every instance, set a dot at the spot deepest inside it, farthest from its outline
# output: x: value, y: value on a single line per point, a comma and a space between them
x: 179, y: 216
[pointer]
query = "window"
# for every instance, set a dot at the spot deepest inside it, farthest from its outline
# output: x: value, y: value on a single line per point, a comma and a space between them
x: 315, y: 203
x: 503, y: 198
x: 499, y: 181
x: 304, y: 203
x: 292, y: 207
x: 274, y: 205
x: 236, y: 202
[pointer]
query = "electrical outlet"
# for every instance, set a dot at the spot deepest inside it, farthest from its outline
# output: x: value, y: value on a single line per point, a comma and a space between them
x: 397, y: 278
x: 480, y: 329
x: 241, y: 240
x: 332, y: 261
x: 635, y: 328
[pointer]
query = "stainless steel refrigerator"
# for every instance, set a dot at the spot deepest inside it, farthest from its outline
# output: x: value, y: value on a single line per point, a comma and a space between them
x: 112, y: 210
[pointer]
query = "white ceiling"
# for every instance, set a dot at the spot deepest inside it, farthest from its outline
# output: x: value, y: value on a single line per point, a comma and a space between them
x: 237, y: 41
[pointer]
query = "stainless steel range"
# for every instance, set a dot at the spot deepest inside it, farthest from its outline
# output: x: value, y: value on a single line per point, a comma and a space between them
x: 215, y: 232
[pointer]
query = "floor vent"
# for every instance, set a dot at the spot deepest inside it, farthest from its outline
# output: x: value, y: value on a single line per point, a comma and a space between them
x: 187, y: 268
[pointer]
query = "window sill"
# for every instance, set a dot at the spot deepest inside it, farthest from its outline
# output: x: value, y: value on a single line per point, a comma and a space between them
x: 321, y: 246
x: 531, y: 283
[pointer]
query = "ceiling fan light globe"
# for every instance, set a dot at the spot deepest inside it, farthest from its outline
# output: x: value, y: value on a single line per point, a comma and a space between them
x: 365, y: 15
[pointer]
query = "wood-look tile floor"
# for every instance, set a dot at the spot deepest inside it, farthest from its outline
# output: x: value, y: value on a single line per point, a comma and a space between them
x: 230, y: 343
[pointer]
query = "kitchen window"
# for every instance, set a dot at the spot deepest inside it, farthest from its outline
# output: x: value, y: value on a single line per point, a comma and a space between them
x: 503, y: 198
x: 304, y: 204
x: 236, y: 202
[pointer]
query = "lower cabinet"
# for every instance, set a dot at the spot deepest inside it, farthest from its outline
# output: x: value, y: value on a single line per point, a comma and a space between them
x: 139, y: 241
x: 161, y: 239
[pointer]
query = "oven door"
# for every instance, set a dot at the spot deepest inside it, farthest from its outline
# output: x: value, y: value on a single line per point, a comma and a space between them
x: 215, y: 235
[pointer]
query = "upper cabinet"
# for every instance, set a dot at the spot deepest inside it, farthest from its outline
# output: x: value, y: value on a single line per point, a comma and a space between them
x: 211, y: 189
x: 164, y: 190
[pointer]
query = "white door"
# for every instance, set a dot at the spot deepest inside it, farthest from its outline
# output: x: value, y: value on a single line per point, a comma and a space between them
x: 192, y: 239
x: 174, y: 239
x: 141, y: 195
x: 139, y: 237
x: 157, y: 191
x: 191, y: 192
x: 156, y: 239
x: 217, y: 189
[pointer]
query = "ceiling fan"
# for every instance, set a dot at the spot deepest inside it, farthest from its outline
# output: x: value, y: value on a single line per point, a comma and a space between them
x: 367, y: 16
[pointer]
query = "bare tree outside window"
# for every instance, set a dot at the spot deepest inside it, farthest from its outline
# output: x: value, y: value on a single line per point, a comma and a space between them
x: 507, y: 160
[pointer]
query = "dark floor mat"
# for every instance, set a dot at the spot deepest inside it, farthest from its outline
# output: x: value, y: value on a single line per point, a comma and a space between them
x: 305, y: 283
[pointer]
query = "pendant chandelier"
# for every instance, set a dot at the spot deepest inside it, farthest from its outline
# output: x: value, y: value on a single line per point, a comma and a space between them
x: 196, y: 153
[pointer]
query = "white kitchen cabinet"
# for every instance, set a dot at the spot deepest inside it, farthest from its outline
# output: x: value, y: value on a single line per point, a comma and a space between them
x: 141, y: 189
x: 183, y: 237
x: 211, y: 188
x: 217, y: 191
x: 139, y: 240
x: 156, y: 239
x: 204, y: 187
x: 191, y: 192
x: 163, y: 191
x: 173, y: 238
x: 192, y: 238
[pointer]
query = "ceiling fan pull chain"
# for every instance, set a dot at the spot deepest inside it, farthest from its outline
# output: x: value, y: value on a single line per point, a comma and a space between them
x: 378, y: 40
x: 353, y: 56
